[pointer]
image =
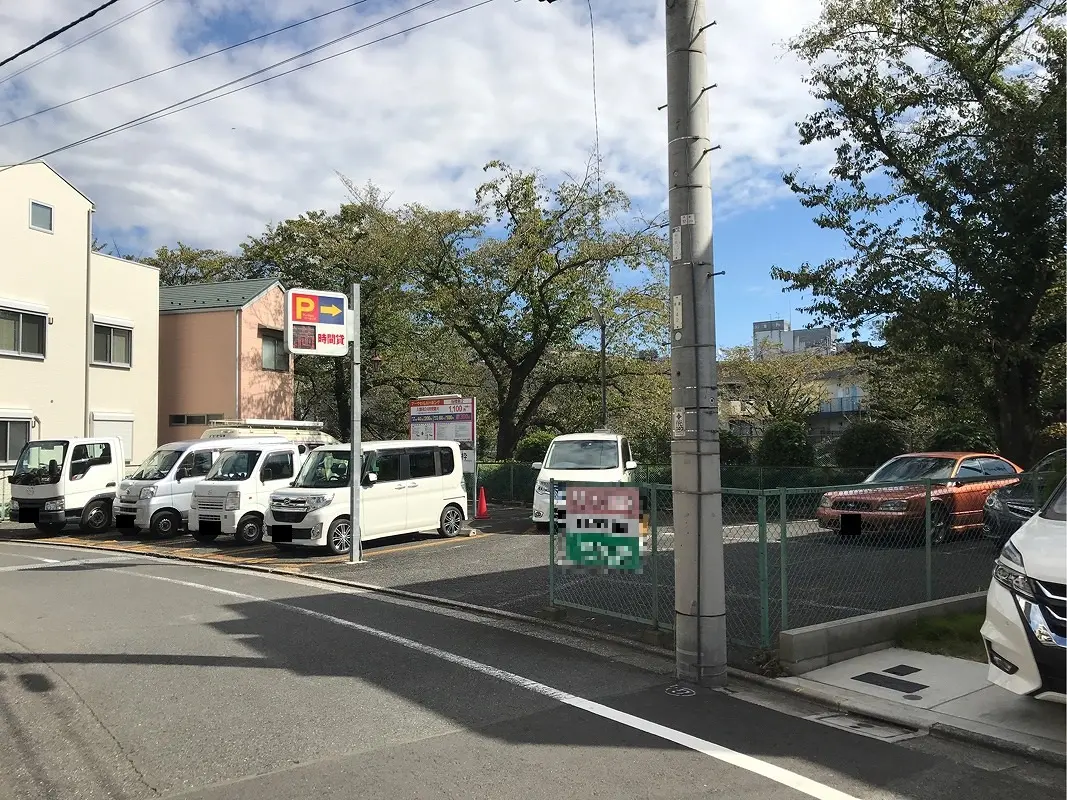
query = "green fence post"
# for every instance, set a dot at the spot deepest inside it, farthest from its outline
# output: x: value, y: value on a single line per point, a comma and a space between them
x: 551, y: 542
x: 783, y: 534
x: 929, y: 548
x: 764, y: 588
x: 653, y: 522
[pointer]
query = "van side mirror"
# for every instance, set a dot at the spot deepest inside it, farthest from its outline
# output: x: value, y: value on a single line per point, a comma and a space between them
x: 631, y: 465
x: 370, y: 478
x: 292, y: 484
x: 538, y: 464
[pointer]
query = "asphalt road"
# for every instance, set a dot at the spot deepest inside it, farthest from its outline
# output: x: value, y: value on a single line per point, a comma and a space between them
x: 124, y: 677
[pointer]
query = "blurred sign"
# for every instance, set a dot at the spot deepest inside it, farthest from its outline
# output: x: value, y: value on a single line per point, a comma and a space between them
x: 450, y: 418
x: 316, y: 323
x: 603, y: 528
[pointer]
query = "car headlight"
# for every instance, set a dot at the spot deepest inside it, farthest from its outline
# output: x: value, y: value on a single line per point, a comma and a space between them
x: 148, y: 492
x: 993, y: 501
x: 194, y: 502
x: 825, y: 501
x: 233, y: 501
x: 55, y: 505
x: 542, y: 487
x: 14, y: 506
x: 1013, y: 579
x: 319, y: 501
x: 893, y: 505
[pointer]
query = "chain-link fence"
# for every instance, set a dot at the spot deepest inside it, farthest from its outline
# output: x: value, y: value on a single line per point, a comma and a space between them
x: 513, y: 482
x: 614, y: 564
x: 797, y: 556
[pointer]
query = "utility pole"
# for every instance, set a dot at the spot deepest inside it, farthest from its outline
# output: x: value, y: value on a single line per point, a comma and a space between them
x: 355, y: 468
x: 700, y: 595
x: 603, y: 325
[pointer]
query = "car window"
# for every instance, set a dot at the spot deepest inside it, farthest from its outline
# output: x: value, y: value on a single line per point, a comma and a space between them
x: 387, y: 466
x: 277, y: 466
x: 997, y: 466
x: 626, y: 451
x: 1056, y: 507
x: 448, y: 461
x: 970, y: 468
x: 197, y: 464
x: 1052, y: 463
x: 421, y: 463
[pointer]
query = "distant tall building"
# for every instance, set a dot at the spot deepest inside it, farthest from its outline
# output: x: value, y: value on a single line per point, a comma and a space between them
x: 779, y: 333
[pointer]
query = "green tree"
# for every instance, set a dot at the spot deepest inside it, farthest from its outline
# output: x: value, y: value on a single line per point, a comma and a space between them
x: 949, y: 133
x: 785, y: 443
x: 184, y: 264
x: 733, y: 449
x: 533, y: 446
x: 517, y: 282
x: 868, y: 443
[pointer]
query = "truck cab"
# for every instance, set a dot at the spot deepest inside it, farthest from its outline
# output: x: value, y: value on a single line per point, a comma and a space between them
x: 57, y: 481
x: 158, y: 496
x: 232, y: 498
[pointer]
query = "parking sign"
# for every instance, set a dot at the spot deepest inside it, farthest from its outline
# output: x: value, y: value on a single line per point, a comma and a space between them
x: 316, y: 322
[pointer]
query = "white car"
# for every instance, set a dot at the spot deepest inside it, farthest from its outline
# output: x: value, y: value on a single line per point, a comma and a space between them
x: 599, y: 457
x: 1025, y: 628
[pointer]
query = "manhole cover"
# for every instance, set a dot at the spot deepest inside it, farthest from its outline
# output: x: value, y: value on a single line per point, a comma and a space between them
x: 680, y: 691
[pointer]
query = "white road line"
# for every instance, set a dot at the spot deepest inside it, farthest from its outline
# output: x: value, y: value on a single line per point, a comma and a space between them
x: 748, y: 763
x: 52, y: 562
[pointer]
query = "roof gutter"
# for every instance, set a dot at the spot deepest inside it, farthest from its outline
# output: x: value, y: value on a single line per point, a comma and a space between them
x: 88, y: 322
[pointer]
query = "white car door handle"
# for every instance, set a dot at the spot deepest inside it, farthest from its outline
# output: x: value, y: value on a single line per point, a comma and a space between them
x: 412, y: 485
x: 400, y: 486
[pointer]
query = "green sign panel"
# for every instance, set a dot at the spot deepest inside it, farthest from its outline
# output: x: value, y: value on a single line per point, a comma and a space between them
x: 604, y: 550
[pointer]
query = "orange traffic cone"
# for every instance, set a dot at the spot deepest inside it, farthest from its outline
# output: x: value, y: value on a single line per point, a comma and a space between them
x: 483, y: 508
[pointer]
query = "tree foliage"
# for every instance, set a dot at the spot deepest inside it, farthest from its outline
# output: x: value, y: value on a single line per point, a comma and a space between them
x: 533, y: 446
x: 948, y: 187
x: 785, y: 443
x: 868, y: 443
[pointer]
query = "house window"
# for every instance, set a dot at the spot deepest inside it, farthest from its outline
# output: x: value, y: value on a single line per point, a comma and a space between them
x: 14, y: 433
x: 178, y: 419
x: 275, y: 358
x: 22, y: 333
x: 111, y: 345
x: 195, y: 419
x: 40, y: 217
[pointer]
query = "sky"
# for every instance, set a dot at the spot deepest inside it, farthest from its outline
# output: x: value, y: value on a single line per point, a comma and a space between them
x: 418, y: 114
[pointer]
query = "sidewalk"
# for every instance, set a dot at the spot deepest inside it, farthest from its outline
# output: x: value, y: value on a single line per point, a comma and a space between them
x: 937, y: 692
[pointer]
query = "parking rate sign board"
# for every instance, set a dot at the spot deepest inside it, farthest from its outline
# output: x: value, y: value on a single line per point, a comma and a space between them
x: 315, y: 323
x: 603, y: 528
x: 448, y: 418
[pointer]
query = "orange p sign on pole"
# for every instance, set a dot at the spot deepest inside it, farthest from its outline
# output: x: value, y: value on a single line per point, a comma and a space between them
x: 305, y: 308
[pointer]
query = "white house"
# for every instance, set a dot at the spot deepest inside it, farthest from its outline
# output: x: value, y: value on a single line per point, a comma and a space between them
x: 79, y: 331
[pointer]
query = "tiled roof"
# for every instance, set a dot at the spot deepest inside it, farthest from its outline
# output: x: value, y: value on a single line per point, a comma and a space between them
x: 212, y: 296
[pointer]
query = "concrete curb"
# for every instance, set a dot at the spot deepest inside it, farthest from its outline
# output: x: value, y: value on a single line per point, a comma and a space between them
x: 834, y: 702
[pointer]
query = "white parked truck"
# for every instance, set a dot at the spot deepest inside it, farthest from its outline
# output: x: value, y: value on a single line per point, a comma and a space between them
x: 232, y: 498
x: 57, y: 481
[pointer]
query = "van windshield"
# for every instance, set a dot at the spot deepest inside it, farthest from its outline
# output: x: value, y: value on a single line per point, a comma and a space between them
x: 577, y: 454
x: 1056, y: 508
x: 158, y: 465
x: 234, y: 465
x: 325, y: 469
x: 40, y: 462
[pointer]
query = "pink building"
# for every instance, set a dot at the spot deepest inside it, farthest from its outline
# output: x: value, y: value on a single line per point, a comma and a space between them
x: 221, y: 355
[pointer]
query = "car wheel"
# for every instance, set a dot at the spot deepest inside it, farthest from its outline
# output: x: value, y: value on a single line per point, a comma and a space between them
x: 249, y: 529
x: 339, y: 537
x: 96, y: 517
x: 164, y: 523
x: 940, y: 525
x: 451, y: 522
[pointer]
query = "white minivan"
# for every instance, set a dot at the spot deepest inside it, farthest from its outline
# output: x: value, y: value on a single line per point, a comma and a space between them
x: 406, y: 487
x: 600, y: 457
x: 1025, y: 628
x: 232, y: 498
x: 157, y: 497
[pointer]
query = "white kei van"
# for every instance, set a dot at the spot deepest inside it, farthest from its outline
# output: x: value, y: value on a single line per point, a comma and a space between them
x: 406, y: 486
x: 157, y: 497
x: 600, y: 457
x: 232, y: 498
x: 1025, y: 628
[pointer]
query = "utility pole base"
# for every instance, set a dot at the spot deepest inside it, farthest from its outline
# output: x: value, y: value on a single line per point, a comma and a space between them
x: 706, y: 668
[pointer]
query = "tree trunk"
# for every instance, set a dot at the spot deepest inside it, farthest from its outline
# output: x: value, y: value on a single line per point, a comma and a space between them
x: 507, y: 436
x: 342, y: 394
x: 1016, y: 379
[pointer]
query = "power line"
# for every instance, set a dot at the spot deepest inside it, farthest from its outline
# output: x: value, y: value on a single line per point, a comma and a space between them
x: 175, y: 108
x: 58, y: 31
x: 181, y: 64
x: 596, y: 115
x: 77, y: 42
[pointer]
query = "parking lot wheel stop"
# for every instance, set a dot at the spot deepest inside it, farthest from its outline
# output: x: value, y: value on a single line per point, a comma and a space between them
x: 832, y: 701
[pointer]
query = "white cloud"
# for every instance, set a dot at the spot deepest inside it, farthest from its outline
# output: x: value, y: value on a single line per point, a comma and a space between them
x: 419, y: 114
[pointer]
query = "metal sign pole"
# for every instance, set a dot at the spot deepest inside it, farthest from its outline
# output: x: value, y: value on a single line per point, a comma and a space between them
x: 355, y: 471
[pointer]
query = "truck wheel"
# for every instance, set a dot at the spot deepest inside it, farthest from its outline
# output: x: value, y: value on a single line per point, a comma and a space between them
x: 164, y: 523
x: 249, y: 530
x: 96, y: 517
x: 51, y: 528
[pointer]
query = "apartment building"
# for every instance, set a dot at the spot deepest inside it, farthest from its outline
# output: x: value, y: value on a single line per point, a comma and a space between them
x: 222, y: 356
x: 79, y: 330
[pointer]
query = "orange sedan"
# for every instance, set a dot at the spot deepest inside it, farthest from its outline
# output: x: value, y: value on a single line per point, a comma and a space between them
x: 960, y: 483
